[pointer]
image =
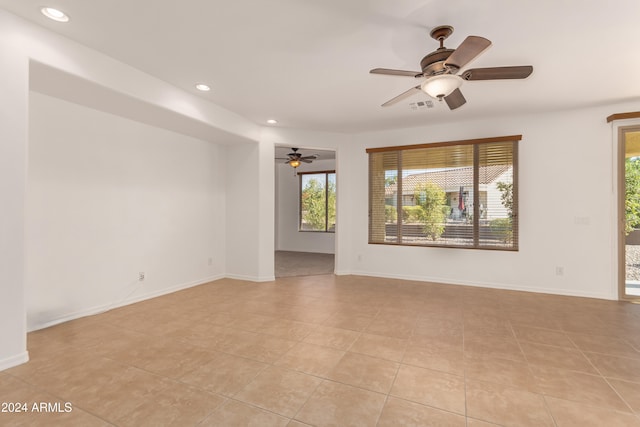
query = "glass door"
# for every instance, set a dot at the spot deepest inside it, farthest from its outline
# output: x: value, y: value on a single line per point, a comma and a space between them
x: 629, y: 208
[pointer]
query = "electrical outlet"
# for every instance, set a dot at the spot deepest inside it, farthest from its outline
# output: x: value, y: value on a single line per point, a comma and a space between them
x: 210, y: 261
x: 559, y: 271
x: 141, y: 276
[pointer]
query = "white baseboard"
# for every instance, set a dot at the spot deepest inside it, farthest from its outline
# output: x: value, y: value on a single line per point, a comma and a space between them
x: 250, y: 278
x: 132, y: 300
x: 12, y: 361
x: 510, y: 287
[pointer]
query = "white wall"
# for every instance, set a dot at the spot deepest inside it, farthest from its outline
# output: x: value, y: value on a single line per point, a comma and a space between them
x: 13, y: 173
x: 288, y: 238
x: 566, y: 204
x: 109, y: 198
x: 22, y: 44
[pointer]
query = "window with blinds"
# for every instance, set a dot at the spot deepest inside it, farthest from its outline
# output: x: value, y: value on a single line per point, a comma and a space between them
x: 460, y: 194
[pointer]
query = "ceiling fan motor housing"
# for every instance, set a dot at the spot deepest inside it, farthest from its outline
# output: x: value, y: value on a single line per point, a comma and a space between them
x: 433, y: 63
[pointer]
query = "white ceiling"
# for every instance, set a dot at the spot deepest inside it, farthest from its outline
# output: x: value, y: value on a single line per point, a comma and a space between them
x: 306, y: 62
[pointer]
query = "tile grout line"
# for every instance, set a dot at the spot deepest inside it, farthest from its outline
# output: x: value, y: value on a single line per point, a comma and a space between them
x: 544, y: 397
x: 603, y: 377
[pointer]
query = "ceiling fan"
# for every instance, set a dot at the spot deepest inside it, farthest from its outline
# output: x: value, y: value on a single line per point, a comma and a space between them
x: 294, y: 159
x: 440, y: 70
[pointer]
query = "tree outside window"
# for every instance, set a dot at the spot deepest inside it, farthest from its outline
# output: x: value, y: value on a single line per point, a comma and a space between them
x: 318, y: 201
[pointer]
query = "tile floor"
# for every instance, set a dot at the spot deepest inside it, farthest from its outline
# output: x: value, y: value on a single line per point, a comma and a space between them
x: 337, y: 351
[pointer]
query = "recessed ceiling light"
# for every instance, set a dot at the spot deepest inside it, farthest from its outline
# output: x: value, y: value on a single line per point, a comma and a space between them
x: 272, y: 121
x: 203, y: 87
x: 55, y: 14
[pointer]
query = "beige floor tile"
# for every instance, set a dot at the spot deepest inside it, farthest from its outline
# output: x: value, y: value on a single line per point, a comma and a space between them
x: 398, y: 412
x: 167, y: 357
x: 542, y: 336
x: 533, y: 318
x: 218, y: 317
x: 491, y: 346
x: 436, y: 356
x: 117, y: 340
x: 113, y: 398
x: 389, y: 327
x: 577, y: 387
x: 63, y: 337
x: 287, y: 329
x: 233, y: 413
x: 337, y: 338
x: 622, y: 368
x: 207, y: 335
x: 307, y: 314
x: 311, y: 359
x: 380, y: 346
x: 66, y: 371
x: 365, y: 372
x: 334, y: 404
x: 279, y: 390
x: 225, y: 374
x: 505, y: 405
x: 437, y: 326
x: 432, y: 388
x: 472, y: 422
x: 354, y: 322
x: 263, y: 348
x: 251, y: 322
x: 478, y: 318
x: 500, y: 371
x: 68, y: 381
x: 570, y: 414
x: 605, y: 345
x: 557, y: 357
x: 228, y: 340
x: 629, y: 391
x: 444, y: 340
x: 178, y: 405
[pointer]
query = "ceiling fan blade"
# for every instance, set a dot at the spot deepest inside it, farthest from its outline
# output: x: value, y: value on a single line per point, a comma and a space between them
x: 455, y: 99
x: 313, y: 157
x: 302, y: 159
x: 498, y: 73
x: 470, y: 48
x: 390, y: 72
x: 402, y: 96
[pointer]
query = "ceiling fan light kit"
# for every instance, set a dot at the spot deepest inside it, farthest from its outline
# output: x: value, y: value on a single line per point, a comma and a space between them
x: 440, y: 86
x: 440, y: 70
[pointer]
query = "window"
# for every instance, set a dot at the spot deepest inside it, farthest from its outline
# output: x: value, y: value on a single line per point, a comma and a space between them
x: 318, y: 201
x: 461, y: 194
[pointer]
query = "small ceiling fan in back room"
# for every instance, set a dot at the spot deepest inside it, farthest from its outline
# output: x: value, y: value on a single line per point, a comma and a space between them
x: 440, y: 70
x: 294, y: 159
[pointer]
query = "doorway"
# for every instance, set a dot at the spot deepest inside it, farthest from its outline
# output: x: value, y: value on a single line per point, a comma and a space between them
x: 629, y: 212
x: 305, y: 212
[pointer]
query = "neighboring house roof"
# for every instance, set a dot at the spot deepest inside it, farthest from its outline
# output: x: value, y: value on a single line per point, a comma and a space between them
x: 446, y: 178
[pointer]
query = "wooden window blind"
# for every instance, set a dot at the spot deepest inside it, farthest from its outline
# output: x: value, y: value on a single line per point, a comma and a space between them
x: 460, y: 194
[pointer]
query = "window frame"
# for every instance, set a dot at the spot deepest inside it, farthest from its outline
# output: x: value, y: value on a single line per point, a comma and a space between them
x: 476, y: 143
x: 326, y: 198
